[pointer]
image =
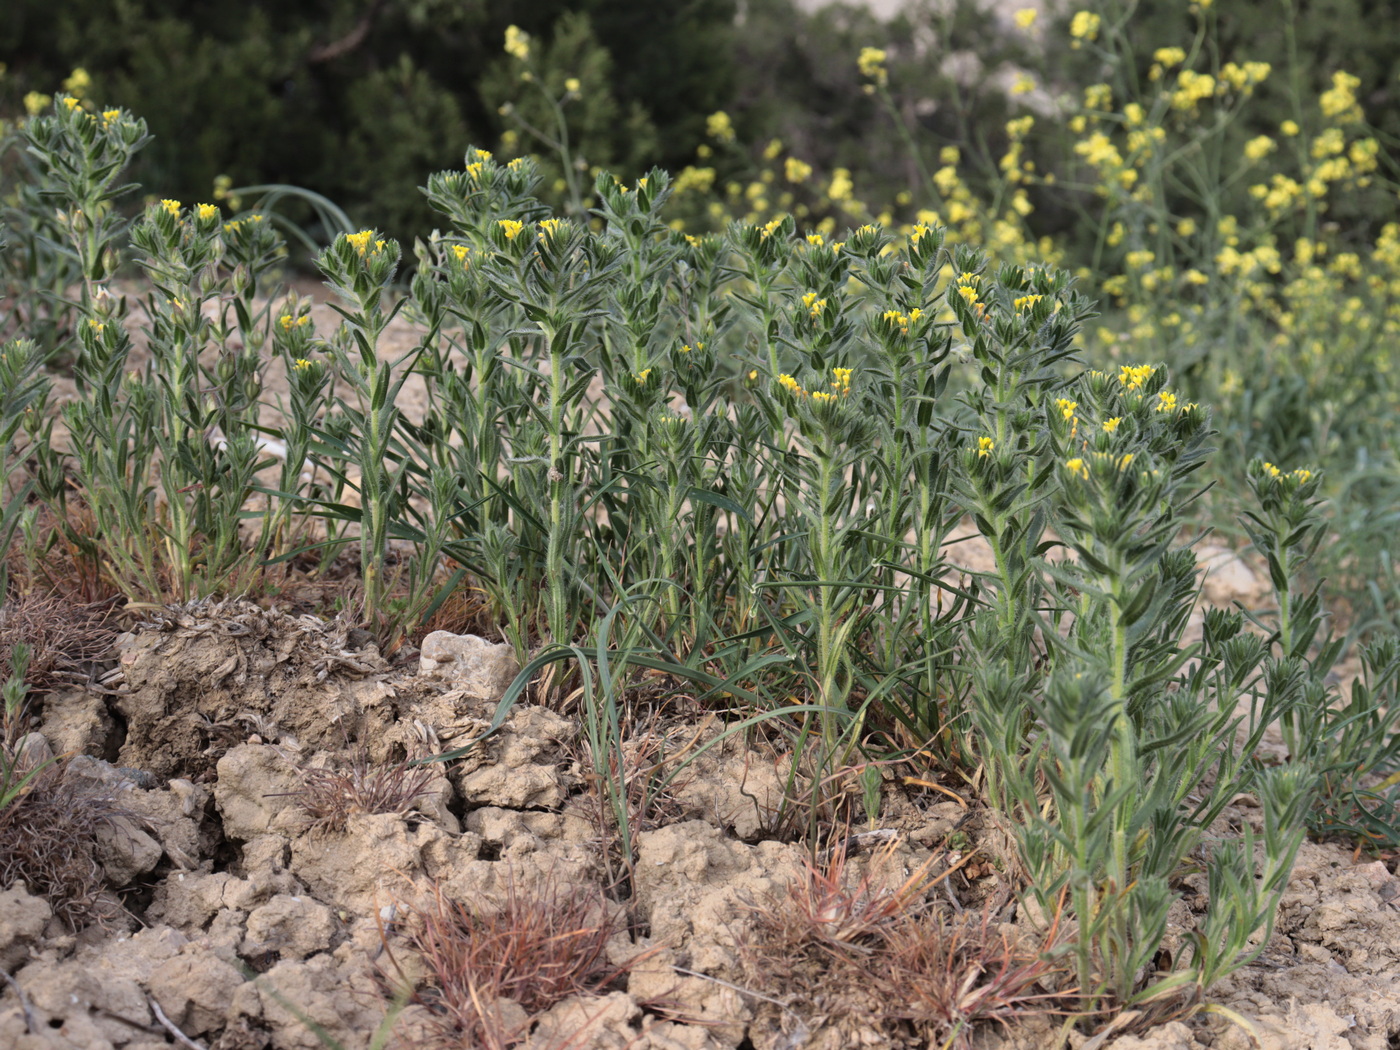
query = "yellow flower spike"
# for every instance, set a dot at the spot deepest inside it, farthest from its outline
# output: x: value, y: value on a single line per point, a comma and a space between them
x: 207, y: 211
x: 842, y: 382
x: 772, y: 227
x: 1166, y: 401
x: 301, y: 365
x: 510, y: 227
x: 823, y: 397
x: 791, y: 385
x: 985, y: 446
x: 1077, y: 466
x: 1066, y: 407
x: 286, y: 321
x: 969, y: 294
x: 641, y: 377
x: 1272, y: 470
x: 1110, y: 425
x: 461, y: 251
x: 359, y: 241
x: 71, y: 102
x: 173, y: 207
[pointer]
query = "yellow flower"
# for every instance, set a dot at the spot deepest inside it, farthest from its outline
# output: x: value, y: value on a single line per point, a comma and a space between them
x: 1084, y: 26
x: 985, y: 446
x: 1272, y: 470
x: 791, y: 385
x: 871, y: 63
x: 79, y: 81
x: 461, y: 251
x: 360, y: 241
x: 517, y: 42
x: 1166, y: 402
x: 173, y: 207
x: 549, y: 227
x: 1025, y: 18
x: 1258, y: 147
x: 1076, y: 466
x: 302, y: 364
x: 573, y: 86
x: 718, y: 126
x: 842, y: 383
x: 1169, y: 56
x: 841, y: 185
x: 796, y: 170
x: 641, y: 377
x: 1340, y: 100
x: 1194, y: 276
x: 1110, y: 425
x: 36, y: 102
x: 109, y: 115
x: 823, y: 396
x: 207, y: 211
x: 816, y: 240
x: 510, y: 227
x: 771, y: 227
x: 1066, y: 407
x: 1289, y: 128
x: 1026, y: 302
x: 1134, y: 376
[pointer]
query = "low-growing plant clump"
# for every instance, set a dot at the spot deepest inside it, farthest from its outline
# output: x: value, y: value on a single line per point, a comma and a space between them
x: 735, y: 466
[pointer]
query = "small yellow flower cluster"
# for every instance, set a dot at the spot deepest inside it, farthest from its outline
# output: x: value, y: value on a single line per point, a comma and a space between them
x: 871, y: 63
x: 1302, y: 474
x: 1192, y: 88
x: 719, y: 127
x: 1066, y: 407
x: 288, y: 322
x: 549, y: 227
x: 985, y: 445
x: 1339, y: 101
x: 360, y: 242
x: 1025, y: 18
x: 842, y: 383
x: 463, y: 254
x: 1134, y: 376
x: 1077, y: 466
x: 1110, y: 425
x: 1084, y: 26
x: 173, y: 207
x: 1243, y: 78
x: 771, y: 227
x: 510, y: 227
x: 641, y: 377
x: 517, y: 42
x: 1166, y: 401
x: 903, y: 321
x: 302, y: 365
x: 814, y: 305
x: 796, y: 170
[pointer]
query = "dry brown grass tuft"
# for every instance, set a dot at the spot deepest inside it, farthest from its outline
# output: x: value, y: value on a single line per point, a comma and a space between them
x: 48, y: 842
x: 332, y: 796
x: 61, y: 634
x: 869, y: 953
x: 491, y: 971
